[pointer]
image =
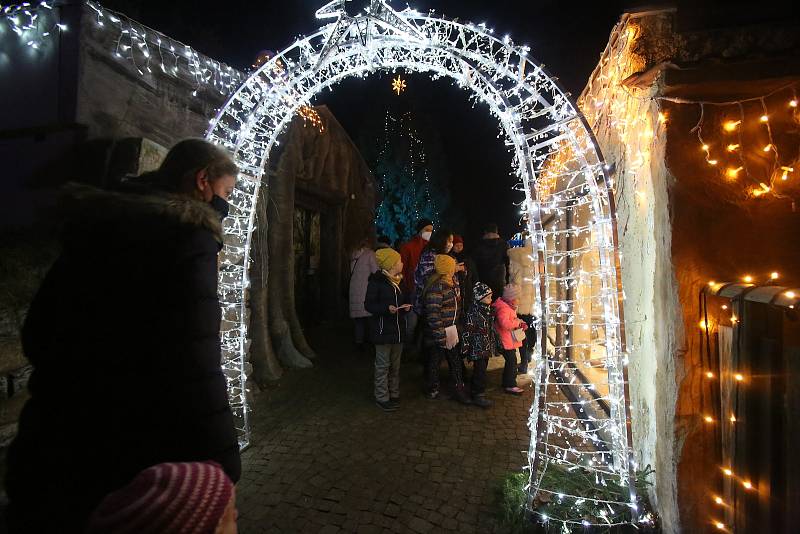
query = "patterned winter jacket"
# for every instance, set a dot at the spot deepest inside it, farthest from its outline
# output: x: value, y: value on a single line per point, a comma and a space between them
x: 441, y: 308
x: 479, y: 335
x: 424, y: 270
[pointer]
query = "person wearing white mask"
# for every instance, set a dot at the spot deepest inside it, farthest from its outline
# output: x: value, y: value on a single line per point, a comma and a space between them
x: 409, y: 254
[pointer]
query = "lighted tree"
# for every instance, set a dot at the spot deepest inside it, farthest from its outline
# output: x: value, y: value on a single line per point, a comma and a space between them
x: 413, y: 182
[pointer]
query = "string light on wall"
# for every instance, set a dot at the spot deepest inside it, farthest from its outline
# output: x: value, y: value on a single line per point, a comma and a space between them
x: 764, y: 164
x: 311, y: 116
x: 34, y: 25
x: 537, y: 121
x: 145, y: 50
x: 733, y: 375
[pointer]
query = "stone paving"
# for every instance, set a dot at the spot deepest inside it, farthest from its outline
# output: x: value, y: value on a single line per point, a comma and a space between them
x: 325, y: 459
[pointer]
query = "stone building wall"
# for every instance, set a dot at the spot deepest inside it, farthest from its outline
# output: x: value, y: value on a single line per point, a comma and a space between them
x: 682, y: 221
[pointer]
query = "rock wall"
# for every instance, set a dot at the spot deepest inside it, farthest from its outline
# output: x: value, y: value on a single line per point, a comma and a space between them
x: 681, y: 223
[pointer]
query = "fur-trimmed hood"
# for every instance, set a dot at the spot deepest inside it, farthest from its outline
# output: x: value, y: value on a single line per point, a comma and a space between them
x: 88, y: 205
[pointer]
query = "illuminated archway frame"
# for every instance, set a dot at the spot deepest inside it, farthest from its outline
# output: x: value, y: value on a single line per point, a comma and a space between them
x: 540, y: 123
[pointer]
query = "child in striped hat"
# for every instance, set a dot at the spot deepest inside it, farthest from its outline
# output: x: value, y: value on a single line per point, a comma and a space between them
x: 174, y: 498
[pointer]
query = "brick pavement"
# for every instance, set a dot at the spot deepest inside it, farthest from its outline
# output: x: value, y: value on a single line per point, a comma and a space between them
x: 325, y: 459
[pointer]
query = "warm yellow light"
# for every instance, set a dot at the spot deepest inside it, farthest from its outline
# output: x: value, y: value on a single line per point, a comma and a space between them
x: 662, y: 117
x: 767, y: 148
x: 709, y: 374
x: 712, y: 283
x: 739, y: 377
x: 793, y: 103
x: 786, y: 171
x: 724, y: 306
x: 719, y: 525
x: 747, y: 484
x: 709, y: 419
x: 730, y: 126
x: 765, y: 187
x: 748, y: 278
x: 734, y: 320
x: 705, y: 147
x: 733, y: 173
x: 712, y: 162
x: 727, y: 472
x: 790, y: 294
x: 731, y: 147
x: 702, y: 324
x: 764, y: 118
x: 733, y: 418
x: 718, y: 500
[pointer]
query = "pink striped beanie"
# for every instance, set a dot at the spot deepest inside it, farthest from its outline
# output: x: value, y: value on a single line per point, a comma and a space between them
x: 180, y: 498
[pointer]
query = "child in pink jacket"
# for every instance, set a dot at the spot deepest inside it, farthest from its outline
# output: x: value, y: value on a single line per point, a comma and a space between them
x: 506, y: 321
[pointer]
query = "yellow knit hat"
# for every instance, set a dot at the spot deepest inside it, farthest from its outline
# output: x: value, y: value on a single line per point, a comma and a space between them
x: 387, y: 258
x: 445, y: 265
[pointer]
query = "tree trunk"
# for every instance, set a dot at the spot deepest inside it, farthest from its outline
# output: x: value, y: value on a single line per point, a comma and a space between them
x: 266, y: 368
x: 283, y: 323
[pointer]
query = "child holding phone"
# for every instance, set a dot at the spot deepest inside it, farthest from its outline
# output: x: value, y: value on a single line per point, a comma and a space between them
x: 387, y: 326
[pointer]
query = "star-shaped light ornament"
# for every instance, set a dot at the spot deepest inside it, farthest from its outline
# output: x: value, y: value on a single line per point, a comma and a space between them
x: 398, y: 85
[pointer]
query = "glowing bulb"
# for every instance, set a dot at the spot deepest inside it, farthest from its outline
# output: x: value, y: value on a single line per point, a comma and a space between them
x: 764, y: 118
x: 709, y: 419
x: 767, y: 148
x: 702, y: 324
x: 733, y: 418
x: 734, y: 320
x: 719, y: 525
x: 793, y: 103
x: 727, y: 472
x: 662, y: 117
x: 705, y: 147
x: 709, y: 374
x: 786, y: 171
x: 790, y: 294
x: 748, y: 278
x: 747, y: 484
x: 739, y: 377
x: 724, y: 306
x: 774, y: 275
x: 718, y: 500
x: 731, y: 147
x: 730, y: 126
x: 712, y: 162
x: 733, y: 173
x: 712, y: 283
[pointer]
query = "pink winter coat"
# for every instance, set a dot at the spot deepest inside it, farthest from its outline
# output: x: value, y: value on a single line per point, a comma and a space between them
x: 505, y: 321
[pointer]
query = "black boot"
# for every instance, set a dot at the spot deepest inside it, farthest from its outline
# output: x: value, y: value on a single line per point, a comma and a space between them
x: 460, y: 395
x: 481, y: 401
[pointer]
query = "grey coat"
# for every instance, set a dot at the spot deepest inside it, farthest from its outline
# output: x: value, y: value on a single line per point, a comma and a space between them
x: 362, y: 264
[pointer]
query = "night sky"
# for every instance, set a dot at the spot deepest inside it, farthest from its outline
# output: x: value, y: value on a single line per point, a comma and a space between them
x: 567, y: 37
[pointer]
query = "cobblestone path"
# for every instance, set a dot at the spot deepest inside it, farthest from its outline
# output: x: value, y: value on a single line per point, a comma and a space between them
x: 324, y: 458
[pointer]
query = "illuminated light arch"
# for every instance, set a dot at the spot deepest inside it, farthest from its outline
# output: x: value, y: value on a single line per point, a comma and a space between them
x: 568, y: 207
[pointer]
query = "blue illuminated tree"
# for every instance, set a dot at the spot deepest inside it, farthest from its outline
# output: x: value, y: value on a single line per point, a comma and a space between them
x: 411, y: 183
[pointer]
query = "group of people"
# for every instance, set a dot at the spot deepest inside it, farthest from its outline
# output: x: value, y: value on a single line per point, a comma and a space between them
x: 128, y: 426
x: 438, y: 300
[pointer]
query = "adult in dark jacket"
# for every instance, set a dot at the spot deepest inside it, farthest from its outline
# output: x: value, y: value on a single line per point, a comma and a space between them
x: 491, y: 258
x: 124, y: 339
x: 388, y: 328
x: 467, y: 274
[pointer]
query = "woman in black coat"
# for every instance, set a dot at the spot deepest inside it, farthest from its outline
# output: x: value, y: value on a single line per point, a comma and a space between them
x: 124, y: 339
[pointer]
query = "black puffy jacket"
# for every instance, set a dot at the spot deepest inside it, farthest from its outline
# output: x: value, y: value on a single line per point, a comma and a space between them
x: 123, y: 336
x: 385, y: 328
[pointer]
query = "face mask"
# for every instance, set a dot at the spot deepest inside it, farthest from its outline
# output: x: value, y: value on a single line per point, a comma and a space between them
x: 220, y: 205
x: 448, y: 248
x: 426, y: 236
